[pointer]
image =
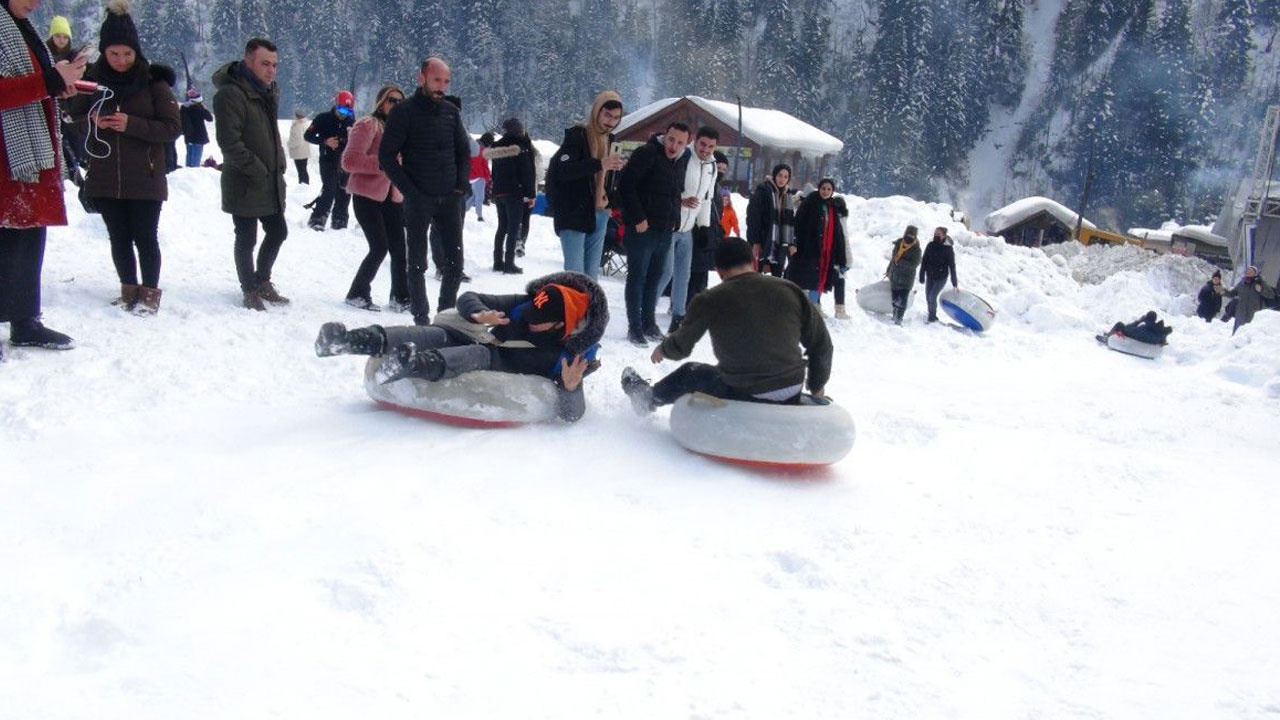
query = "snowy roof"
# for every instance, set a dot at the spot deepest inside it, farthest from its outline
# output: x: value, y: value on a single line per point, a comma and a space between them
x: 1163, y: 236
x: 773, y: 128
x: 1014, y: 213
x: 1201, y: 233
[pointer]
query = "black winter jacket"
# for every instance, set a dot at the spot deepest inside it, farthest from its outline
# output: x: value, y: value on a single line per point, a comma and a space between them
x: 194, y: 117
x: 650, y: 187
x: 327, y: 125
x: 514, y: 175
x: 574, y: 171
x: 1209, y: 302
x: 425, y: 149
x: 763, y: 217
x: 811, y: 222
x: 939, y: 260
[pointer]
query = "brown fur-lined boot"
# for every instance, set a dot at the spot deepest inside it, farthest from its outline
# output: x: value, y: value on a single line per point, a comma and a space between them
x: 128, y: 297
x: 148, y: 300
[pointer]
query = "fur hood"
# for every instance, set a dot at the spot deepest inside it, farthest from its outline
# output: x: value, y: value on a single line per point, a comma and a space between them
x: 165, y: 73
x: 592, y: 328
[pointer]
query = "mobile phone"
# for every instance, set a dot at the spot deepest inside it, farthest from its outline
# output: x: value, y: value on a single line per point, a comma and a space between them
x: 85, y: 86
x: 615, y: 149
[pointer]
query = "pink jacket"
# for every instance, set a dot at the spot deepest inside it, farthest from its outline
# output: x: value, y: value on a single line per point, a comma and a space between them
x: 360, y: 160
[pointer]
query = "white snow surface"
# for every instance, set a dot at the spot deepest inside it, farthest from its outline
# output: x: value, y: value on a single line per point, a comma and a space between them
x: 767, y: 127
x: 201, y: 519
x: 1019, y: 210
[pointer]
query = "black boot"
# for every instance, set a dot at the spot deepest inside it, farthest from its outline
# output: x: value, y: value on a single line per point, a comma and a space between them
x: 636, y: 336
x: 652, y: 332
x: 30, y: 333
x: 639, y: 390
x: 335, y: 339
x: 675, y: 323
x: 409, y: 362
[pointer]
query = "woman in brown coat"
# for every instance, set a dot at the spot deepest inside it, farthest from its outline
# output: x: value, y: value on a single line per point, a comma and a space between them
x: 127, y: 135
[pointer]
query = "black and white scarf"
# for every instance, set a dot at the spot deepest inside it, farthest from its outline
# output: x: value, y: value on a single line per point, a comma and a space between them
x: 27, y: 143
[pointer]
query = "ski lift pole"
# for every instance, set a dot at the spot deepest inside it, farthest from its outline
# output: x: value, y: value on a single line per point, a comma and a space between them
x: 186, y: 68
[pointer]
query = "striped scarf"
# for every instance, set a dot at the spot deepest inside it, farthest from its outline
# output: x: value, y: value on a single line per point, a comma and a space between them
x: 27, y: 142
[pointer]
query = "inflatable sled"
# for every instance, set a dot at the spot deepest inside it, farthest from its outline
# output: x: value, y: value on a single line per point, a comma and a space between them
x: 877, y: 298
x: 483, y: 399
x: 967, y: 309
x: 761, y: 434
x: 1127, y: 345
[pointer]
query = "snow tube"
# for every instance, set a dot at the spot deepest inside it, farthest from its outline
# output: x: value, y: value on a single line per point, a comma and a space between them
x: 878, y: 298
x: 485, y: 398
x: 762, y: 434
x: 968, y: 309
x: 1127, y: 345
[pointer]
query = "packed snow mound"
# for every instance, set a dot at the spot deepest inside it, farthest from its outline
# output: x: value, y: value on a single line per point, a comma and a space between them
x: 1252, y: 356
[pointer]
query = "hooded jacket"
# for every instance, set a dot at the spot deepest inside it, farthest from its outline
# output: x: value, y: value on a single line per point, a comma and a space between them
x: 253, y: 160
x: 513, y: 170
x: 575, y: 173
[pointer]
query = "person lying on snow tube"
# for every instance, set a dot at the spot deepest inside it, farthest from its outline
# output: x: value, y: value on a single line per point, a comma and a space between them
x: 552, y: 330
x: 757, y: 324
x: 1145, y: 329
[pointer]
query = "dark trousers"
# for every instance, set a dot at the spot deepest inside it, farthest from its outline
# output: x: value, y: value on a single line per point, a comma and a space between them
x: 527, y: 213
x: 437, y: 247
x: 443, y: 214
x: 383, y: 225
x: 900, y: 295
x: 133, y: 223
x: 21, y: 260
x: 303, y: 177
x: 703, y: 378
x: 459, y: 357
x: 274, y: 233
x: 510, y: 216
x: 932, y: 289
x: 332, y: 195
x: 697, y: 283
x: 646, y: 253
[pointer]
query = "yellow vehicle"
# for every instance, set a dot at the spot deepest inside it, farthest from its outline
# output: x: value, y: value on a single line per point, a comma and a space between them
x: 1089, y: 236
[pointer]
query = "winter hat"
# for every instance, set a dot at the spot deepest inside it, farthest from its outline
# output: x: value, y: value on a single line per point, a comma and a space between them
x: 1216, y: 274
x: 720, y: 157
x: 194, y: 95
x: 557, y: 303
x: 1150, y: 316
x: 911, y: 232
x: 118, y: 28
x: 59, y: 26
x: 512, y: 126
x: 345, y: 99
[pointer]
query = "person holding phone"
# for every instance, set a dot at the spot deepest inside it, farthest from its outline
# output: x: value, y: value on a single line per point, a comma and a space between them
x: 61, y: 50
x: 578, y: 179
x: 30, y: 175
x: 129, y: 136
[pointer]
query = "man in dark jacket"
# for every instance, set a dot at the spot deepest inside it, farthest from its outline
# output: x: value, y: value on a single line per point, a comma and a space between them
x: 1209, y: 301
x: 939, y: 261
x: 194, y: 132
x: 514, y: 188
x: 426, y: 152
x: 758, y: 324
x: 1148, y: 329
x: 904, y: 259
x: 553, y: 329
x: 253, y: 165
x: 650, y: 194
x: 329, y: 131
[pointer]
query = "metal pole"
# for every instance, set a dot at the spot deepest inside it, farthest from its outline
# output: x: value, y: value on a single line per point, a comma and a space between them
x: 737, y: 152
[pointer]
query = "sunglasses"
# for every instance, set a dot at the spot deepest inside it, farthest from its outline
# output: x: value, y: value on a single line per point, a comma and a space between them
x: 393, y: 100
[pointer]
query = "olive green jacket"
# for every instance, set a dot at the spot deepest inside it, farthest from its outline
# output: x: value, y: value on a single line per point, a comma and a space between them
x: 253, y: 158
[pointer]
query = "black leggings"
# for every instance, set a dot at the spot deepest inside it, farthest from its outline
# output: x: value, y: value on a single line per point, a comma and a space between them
x: 383, y: 225
x: 275, y: 231
x: 133, y: 223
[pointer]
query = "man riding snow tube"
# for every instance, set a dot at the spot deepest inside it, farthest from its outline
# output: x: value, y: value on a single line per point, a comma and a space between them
x: 1147, y: 329
x: 552, y: 330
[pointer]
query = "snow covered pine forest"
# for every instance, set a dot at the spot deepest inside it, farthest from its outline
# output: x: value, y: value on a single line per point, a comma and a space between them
x: 201, y: 519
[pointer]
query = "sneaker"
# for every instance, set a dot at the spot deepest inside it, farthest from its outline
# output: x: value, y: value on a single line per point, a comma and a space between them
x: 339, y: 225
x: 652, y: 332
x: 638, y: 390
x: 31, y: 333
x: 637, y: 338
x: 398, y: 306
x: 317, y: 225
x: 363, y: 304
x: 520, y: 249
x: 253, y: 301
x: 268, y: 292
x: 840, y: 313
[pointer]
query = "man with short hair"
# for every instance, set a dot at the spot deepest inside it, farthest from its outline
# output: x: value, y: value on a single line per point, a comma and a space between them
x: 758, y: 323
x: 329, y: 131
x: 695, y: 211
x: 426, y: 152
x: 253, y: 165
x: 650, y: 194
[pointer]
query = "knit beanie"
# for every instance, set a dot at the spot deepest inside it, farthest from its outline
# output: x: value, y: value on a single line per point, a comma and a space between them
x: 118, y: 28
x: 911, y: 232
x: 59, y: 26
x: 557, y: 303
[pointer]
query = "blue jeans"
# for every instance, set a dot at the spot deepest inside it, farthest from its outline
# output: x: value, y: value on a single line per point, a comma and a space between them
x: 676, y: 269
x: 582, y: 251
x: 195, y: 153
x: 646, y: 254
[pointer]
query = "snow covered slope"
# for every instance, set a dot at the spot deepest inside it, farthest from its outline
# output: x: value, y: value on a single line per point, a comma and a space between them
x: 201, y: 519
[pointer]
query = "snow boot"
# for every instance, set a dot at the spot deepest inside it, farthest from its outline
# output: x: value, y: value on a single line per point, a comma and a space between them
x: 268, y: 292
x: 128, y: 297
x: 409, y: 362
x: 840, y: 313
x: 148, y: 300
x: 252, y: 301
x: 335, y: 339
x: 636, y: 337
x: 638, y: 389
x: 31, y: 333
x: 675, y: 323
